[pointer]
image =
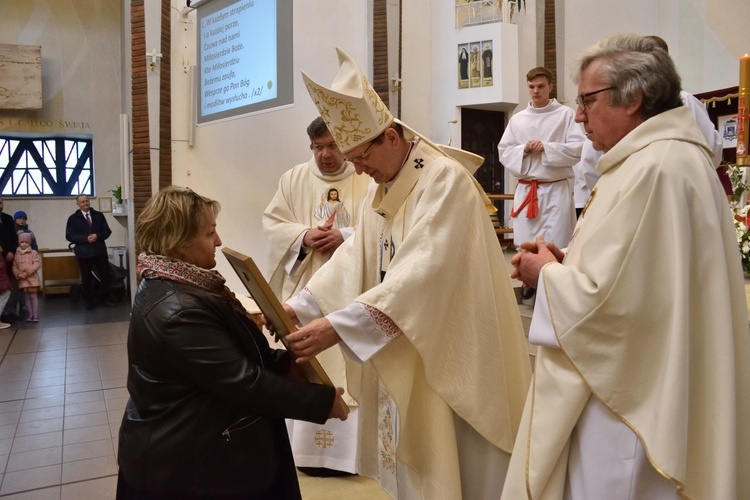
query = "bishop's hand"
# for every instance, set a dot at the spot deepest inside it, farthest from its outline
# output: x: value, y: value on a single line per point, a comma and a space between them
x: 312, y: 339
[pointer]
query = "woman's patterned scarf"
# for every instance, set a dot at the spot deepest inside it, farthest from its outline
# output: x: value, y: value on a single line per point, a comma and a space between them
x: 160, y: 267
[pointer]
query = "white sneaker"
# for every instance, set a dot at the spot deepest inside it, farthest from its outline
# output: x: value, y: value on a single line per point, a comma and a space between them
x: 3, y: 326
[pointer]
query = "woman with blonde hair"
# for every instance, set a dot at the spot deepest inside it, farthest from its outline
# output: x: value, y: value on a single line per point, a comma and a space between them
x: 208, y: 396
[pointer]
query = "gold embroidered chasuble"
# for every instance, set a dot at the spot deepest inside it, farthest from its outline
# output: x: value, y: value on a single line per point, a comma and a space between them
x: 446, y: 288
x: 649, y: 310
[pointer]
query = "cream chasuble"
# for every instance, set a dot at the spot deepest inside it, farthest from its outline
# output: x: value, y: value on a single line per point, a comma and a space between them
x: 300, y: 203
x: 462, y: 350
x: 649, y: 311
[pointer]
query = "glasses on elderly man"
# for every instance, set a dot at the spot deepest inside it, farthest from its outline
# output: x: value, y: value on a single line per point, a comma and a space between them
x: 581, y: 99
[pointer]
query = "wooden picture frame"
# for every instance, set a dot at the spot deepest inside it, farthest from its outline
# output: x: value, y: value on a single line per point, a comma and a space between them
x: 271, y: 308
x: 105, y: 204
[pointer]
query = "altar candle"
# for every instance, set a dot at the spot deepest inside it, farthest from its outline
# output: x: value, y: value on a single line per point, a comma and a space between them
x: 743, y: 112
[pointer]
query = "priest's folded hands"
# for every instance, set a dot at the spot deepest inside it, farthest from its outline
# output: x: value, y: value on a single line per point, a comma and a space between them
x: 532, y: 257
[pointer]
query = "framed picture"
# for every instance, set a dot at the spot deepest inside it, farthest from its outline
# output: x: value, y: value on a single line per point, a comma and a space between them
x: 487, y: 63
x: 728, y: 130
x: 463, y: 65
x: 721, y: 105
x: 475, y: 66
x: 271, y: 308
x: 105, y: 204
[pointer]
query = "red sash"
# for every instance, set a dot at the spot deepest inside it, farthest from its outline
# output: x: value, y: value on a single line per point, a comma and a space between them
x: 531, y: 199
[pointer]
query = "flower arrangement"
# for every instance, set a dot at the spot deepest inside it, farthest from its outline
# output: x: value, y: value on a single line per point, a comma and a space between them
x: 117, y: 193
x: 739, y: 187
x: 743, y: 236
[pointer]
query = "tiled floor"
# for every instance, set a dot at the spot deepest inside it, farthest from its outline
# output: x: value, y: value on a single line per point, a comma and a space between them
x: 62, y: 393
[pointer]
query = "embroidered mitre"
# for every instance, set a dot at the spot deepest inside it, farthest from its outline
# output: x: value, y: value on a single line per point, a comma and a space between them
x: 352, y: 110
x: 355, y: 114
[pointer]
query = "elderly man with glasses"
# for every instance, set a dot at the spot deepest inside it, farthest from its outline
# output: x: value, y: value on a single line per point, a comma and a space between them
x: 641, y: 386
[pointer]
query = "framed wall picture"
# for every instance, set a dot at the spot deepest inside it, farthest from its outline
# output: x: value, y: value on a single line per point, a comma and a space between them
x: 105, y: 204
x: 722, y: 109
x: 463, y: 65
x: 487, y: 63
x: 728, y: 130
x: 475, y: 66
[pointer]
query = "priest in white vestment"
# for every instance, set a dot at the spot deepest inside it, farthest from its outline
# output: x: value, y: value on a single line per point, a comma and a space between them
x: 421, y: 302
x: 540, y: 146
x: 641, y: 386
x: 313, y: 211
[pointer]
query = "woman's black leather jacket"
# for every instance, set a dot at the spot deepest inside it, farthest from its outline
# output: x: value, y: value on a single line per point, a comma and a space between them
x: 208, y: 398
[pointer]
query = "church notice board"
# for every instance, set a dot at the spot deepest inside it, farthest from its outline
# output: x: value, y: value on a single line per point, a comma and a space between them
x: 271, y: 308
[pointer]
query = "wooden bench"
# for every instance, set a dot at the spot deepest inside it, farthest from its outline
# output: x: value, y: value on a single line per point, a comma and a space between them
x: 59, y: 270
x: 500, y: 229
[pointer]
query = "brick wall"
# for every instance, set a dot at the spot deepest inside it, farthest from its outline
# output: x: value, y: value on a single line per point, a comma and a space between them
x: 380, y: 50
x: 142, y: 152
x: 141, y: 191
x: 550, y: 45
x: 165, y: 92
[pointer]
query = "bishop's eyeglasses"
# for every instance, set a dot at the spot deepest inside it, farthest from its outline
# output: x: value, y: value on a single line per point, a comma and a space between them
x: 359, y: 160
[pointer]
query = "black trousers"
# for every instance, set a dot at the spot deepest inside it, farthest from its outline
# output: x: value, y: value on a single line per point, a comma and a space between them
x: 95, y: 291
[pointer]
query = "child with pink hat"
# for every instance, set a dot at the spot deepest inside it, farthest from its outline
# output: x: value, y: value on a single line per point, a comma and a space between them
x: 26, y: 266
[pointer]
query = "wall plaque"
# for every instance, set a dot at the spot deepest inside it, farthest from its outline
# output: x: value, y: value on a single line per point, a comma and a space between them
x: 20, y: 76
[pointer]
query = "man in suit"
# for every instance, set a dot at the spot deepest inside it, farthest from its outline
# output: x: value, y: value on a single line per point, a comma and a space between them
x: 87, y: 229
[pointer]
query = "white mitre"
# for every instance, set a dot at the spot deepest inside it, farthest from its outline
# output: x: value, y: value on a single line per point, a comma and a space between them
x: 355, y: 114
x: 352, y: 110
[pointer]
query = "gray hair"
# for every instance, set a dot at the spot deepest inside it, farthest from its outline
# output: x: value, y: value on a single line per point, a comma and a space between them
x: 634, y: 66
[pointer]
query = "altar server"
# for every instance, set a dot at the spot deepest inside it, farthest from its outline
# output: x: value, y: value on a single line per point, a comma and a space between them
x: 540, y: 146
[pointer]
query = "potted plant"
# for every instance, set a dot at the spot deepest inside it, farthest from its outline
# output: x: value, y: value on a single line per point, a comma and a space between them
x: 117, y: 194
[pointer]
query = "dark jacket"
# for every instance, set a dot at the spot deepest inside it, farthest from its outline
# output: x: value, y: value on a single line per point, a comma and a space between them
x: 208, y: 398
x: 8, y: 236
x: 77, y: 231
x: 4, y: 280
